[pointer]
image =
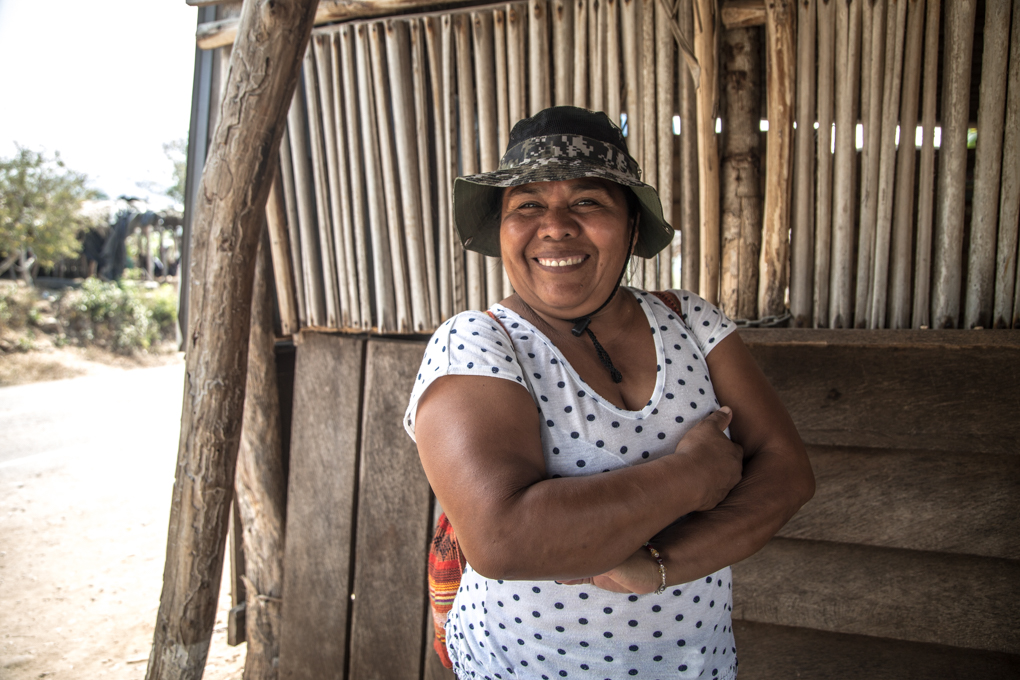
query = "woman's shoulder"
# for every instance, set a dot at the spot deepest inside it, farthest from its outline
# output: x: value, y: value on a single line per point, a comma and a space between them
x: 708, y: 324
x: 470, y: 343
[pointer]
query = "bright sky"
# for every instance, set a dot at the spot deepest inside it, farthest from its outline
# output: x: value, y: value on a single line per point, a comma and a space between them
x: 104, y: 82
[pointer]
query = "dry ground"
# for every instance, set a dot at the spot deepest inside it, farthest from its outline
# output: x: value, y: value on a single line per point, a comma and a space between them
x: 86, y: 471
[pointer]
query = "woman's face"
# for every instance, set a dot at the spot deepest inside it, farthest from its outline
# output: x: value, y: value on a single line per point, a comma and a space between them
x: 564, y: 243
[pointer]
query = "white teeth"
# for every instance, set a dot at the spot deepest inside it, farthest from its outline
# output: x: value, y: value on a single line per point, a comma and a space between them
x: 560, y: 263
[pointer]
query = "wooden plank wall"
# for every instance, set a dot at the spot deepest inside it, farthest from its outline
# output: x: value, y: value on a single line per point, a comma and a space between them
x: 905, y: 564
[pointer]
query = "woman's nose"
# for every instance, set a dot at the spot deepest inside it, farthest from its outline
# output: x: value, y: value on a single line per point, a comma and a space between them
x: 557, y: 224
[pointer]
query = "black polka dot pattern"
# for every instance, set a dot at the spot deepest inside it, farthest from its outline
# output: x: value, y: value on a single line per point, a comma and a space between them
x: 517, y: 629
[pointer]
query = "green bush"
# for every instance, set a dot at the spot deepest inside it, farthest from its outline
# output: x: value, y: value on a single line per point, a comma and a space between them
x: 121, y: 316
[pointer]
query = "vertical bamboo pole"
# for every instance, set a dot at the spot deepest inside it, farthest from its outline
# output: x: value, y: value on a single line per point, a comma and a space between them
x: 581, y: 61
x: 740, y: 160
x: 1009, y: 198
x: 293, y: 228
x: 614, y: 66
x: 872, y: 75
x: 926, y: 180
x: 690, y: 245
x: 458, y: 256
x: 896, y: 20
x: 665, y: 59
x: 320, y: 185
x: 823, y: 151
x: 631, y: 70
x: 440, y: 106
x: 781, y: 56
x: 951, y: 195
x: 357, y: 160
x: 405, y: 169
x: 988, y: 166
x: 311, y: 265
x: 382, y: 277
x: 324, y: 71
x: 538, y: 56
x: 283, y: 272
x: 468, y: 148
x: 649, y: 158
x: 802, y: 230
x: 422, y: 135
x: 502, y: 101
x: 516, y: 61
x: 906, y: 156
x: 562, y: 36
x: 352, y: 314
x: 848, y: 42
x: 488, y: 150
x: 597, y: 46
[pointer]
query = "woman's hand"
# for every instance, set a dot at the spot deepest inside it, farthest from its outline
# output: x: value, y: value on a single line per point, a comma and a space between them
x: 711, y: 455
x: 638, y: 574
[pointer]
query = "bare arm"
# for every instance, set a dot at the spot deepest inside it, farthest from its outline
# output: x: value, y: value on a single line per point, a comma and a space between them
x: 777, y: 481
x: 481, y: 449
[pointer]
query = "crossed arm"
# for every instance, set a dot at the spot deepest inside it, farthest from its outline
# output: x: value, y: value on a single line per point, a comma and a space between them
x: 487, y: 469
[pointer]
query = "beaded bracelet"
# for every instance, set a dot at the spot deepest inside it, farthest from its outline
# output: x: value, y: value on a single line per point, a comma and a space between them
x: 662, y: 568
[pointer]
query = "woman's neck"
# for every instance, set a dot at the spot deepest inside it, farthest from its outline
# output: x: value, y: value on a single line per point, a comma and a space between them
x: 617, y: 314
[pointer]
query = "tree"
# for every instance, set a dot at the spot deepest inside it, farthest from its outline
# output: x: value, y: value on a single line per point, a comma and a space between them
x: 177, y: 152
x: 40, y: 210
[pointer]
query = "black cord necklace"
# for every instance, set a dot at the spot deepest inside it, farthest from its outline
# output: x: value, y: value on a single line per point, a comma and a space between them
x: 581, y: 324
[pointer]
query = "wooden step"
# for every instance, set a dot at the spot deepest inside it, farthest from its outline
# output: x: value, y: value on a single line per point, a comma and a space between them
x: 939, y: 598
x: 769, y: 652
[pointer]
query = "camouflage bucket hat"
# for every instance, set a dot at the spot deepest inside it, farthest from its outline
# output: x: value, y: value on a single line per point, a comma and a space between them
x: 559, y: 143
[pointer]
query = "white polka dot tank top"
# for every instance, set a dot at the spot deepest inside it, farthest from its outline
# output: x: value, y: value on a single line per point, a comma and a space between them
x: 538, y: 629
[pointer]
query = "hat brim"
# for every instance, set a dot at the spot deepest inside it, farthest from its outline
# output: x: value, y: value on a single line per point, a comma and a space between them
x: 476, y: 203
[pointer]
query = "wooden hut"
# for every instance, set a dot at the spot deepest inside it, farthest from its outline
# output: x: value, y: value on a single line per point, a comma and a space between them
x: 867, y: 241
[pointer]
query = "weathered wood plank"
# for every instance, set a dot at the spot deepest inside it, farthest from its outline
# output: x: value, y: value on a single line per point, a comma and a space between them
x: 956, y: 600
x: 917, y: 500
x: 942, y: 391
x: 394, y: 522
x: 323, y: 465
x: 783, y: 652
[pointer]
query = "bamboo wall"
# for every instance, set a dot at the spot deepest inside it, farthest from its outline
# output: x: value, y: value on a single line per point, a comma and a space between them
x: 881, y: 234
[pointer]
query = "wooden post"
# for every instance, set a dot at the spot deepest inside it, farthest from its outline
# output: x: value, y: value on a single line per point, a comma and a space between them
x: 665, y: 64
x: 468, y: 155
x: 419, y: 69
x: 293, y: 226
x: 360, y: 225
x: 951, y: 195
x: 848, y: 42
x: 451, y: 104
x: 926, y: 180
x: 823, y: 174
x: 705, y: 26
x: 872, y: 74
x: 614, y: 67
x: 597, y: 54
x: 689, y: 221
x: 903, y: 220
x: 780, y: 83
x: 581, y: 65
x: 231, y: 207
x: 283, y: 272
x: 503, y: 122
x: 562, y: 36
x: 320, y: 187
x: 261, y: 486
x: 741, y: 168
x: 405, y: 170
x: 802, y: 229
x: 1005, y: 313
x: 630, y: 24
x: 538, y: 56
x: 488, y: 145
x: 988, y: 166
x: 896, y: 20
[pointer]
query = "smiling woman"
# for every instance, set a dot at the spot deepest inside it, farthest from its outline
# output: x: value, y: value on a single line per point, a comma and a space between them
x: 578, y: 434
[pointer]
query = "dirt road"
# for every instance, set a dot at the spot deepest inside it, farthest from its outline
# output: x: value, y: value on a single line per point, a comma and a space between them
x: 86, y: 472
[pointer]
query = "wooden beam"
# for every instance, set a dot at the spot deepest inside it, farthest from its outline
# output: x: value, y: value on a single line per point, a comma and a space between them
x: 229, y: 214
x: 705, y: 50
x: 743, y: 13
x: 220, y: 33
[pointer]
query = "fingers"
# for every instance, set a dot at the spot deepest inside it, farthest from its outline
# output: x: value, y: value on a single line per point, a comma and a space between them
x: 720, y: 418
